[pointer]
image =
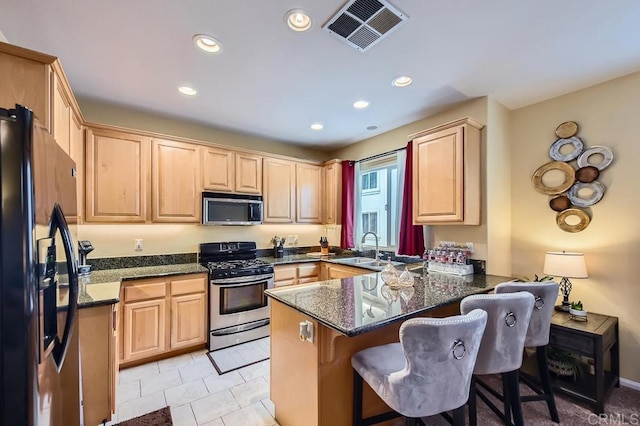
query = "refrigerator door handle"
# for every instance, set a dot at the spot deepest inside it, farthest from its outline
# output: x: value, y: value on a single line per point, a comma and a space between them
x: 59, y: 222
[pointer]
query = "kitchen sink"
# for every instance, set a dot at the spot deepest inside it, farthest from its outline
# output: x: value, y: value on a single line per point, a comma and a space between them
x: 365, y: 262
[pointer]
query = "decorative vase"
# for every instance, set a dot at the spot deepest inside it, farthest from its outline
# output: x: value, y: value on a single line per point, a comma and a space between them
x: 390, y: 276
x: 406, y: 279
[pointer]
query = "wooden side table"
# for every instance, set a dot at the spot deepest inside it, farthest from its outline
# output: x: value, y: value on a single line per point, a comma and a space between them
x: 593, y: 338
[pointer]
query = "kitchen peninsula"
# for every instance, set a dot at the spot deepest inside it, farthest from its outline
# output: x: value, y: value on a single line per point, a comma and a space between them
x: 311, y: 379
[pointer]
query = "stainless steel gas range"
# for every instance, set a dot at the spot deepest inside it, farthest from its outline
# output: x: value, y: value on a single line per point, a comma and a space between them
x: 238, y: 307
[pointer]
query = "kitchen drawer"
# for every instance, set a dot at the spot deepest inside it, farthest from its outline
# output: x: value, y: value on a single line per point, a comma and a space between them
x: 284, y: 283
x: 145, y: 291
x: 193, y: 285
x: 284, y: 273
x: 307, y: 271
x: 308, y: 280
x: 571, y: 341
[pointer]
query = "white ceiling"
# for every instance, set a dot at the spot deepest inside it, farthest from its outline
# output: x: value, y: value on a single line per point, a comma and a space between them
x: 272, y: 82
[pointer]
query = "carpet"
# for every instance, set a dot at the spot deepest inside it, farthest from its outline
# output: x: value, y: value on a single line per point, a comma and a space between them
x: 238, y: 356
x: 622, y: 408
x: 161, y: 417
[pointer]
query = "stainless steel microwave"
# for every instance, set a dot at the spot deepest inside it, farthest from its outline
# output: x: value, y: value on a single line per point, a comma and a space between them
x: 231, y: 209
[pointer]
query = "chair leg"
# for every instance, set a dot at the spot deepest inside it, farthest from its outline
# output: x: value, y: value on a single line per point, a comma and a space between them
x: 357, y: 399
x: 514, y: 396
x: 473, y: 412
x: 543, y: 370
x: 506, y: 398
x: 458, y: 416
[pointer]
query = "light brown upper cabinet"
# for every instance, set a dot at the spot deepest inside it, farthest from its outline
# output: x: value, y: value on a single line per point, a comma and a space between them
x: 308, y: 193
x: 332, y: 192
x: 248, y: 173
x: 61, y: 114
x: 76, y: 151
x: 217, y: 169
x: 446, y: 174
x: 279, y: 190
x: 117, y: 181
x: 229, y: 171
x: 175, y: 181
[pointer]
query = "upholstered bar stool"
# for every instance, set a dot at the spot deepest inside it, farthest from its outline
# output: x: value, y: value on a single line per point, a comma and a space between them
x: 501, y: 348
x: 427, y: 373
x: 545, y: 294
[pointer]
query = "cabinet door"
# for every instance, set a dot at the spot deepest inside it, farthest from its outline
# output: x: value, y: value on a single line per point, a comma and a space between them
x: 117, y: 176
x: 61, y: 110
x: 97, y: 330
x: 308, y: 193
x: 188, y: 320
x: 25, y: 82
x: 446, y: 176
x: 284, y: 275
x: 279, y: 190
x: 176, y: 190
x: 217, y: 169
x: 308, y: 273
x: 332, y: 192
x: 76, y: 151
x: 248, y: 173
x: 144, y: 329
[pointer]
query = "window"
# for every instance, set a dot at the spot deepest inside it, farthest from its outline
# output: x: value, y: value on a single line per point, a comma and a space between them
x: 369, y: 222
x: 378, y: 200
x: 370, y: 181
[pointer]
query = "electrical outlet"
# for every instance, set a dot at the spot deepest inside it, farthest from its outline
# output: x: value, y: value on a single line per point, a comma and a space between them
x: 138, y: 244
x: 291, y: 240
x: 295, y: 239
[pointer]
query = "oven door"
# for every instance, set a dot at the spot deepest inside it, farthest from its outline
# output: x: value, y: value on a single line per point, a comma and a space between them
x: 241, y: 300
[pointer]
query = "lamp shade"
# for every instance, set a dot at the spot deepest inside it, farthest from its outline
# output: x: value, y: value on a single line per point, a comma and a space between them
x: 564, y: 264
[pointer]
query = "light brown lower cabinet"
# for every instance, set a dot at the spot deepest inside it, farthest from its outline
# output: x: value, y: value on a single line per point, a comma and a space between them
x: 98, y: 349
x: 334, y: 271
x: 162, y: 315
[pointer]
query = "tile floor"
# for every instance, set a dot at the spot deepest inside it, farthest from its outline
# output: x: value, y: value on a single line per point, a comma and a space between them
x: 196, y: 394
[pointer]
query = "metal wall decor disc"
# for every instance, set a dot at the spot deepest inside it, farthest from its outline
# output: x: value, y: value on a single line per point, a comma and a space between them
x: 562, y: 217
x: 587, y: 174
x: 567, y: 129
x: 569, y: 178
x: 605, y: 151
x: 578, y: 148
x: 597, y: 192
x: 559, y: 203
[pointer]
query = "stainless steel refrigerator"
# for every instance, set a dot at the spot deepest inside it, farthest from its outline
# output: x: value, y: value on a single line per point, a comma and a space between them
x: 39, y: 352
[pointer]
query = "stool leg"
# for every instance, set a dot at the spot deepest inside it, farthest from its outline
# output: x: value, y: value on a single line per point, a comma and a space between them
x: 458, y: 416
x: 506, y: 397
x: 514, y: 396
x: 473, y: 412
x: 543, y: 370
x: 410, y: 421
x: 357, y: 399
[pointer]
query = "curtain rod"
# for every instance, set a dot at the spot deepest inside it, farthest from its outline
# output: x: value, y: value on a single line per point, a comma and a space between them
x: 373, y: 157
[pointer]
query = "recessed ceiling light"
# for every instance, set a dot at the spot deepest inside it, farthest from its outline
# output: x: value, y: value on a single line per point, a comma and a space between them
x: 317, y: 126
x: 207, y: 43
x: 360, y: 104
x: 402, y: 81
x: 298, y: 20
x: 186, y: 90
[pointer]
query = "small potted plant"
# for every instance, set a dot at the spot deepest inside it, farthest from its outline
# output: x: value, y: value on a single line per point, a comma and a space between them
x: 577, y: 310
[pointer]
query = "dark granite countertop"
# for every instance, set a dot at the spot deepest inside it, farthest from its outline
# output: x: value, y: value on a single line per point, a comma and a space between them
x: 337, y: 259
x: 103, y: 287
x: 364, y: 303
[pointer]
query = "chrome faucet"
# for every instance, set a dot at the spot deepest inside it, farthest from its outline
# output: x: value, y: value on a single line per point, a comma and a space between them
x: 376, y: 237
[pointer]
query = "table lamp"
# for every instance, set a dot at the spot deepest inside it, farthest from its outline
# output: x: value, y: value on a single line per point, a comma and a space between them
x: 566, y: 265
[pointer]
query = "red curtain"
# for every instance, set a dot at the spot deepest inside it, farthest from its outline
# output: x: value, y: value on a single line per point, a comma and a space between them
x: 411, y: 238
x: 348, y: 205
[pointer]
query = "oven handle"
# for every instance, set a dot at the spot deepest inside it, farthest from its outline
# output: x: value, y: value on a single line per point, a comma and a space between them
x: 242, y: 281
x: 240, y: 328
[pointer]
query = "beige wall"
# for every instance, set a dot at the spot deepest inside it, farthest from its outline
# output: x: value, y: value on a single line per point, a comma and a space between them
x: 397, y: 138
x: 117, y: 240
x: 115, y: 115
x: 607, y: 115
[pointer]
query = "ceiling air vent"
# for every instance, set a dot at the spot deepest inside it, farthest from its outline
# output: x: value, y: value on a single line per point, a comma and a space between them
x: 363, y: 23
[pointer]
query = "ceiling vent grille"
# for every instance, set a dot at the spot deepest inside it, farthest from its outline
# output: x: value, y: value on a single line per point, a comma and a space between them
x: 363, y: 23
